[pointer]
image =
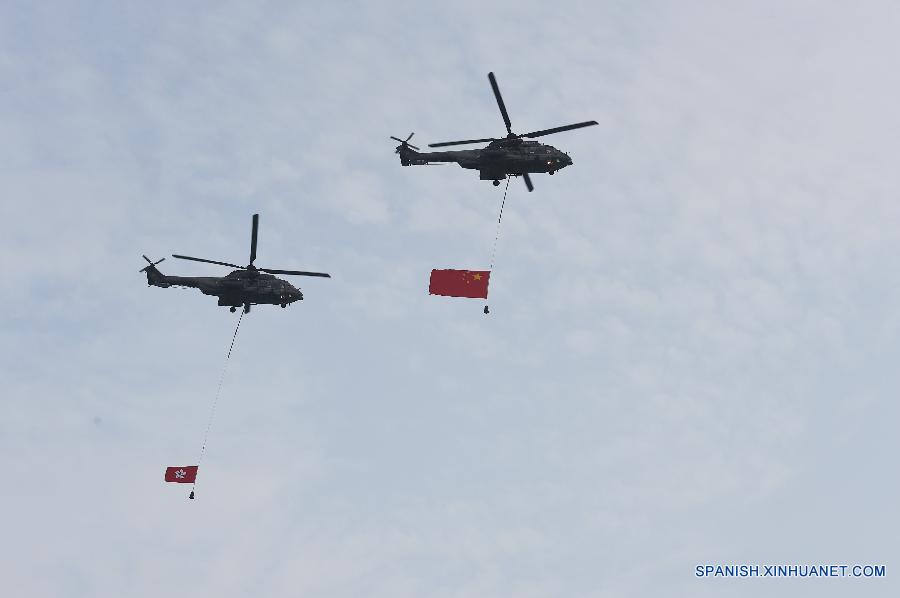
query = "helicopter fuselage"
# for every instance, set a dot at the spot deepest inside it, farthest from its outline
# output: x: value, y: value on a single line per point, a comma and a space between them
x: 507, y: 156
x: 239, y: 288
x: 245, y: 286
x: 499, y: 159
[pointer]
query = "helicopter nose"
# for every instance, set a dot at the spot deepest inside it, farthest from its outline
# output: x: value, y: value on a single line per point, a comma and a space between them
x: 291, y: 295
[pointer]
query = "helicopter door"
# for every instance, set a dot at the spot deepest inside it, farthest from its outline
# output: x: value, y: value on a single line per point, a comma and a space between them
x: 492, y: 175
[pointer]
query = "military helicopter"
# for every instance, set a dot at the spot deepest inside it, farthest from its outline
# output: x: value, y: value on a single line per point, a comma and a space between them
x: 248, y: 285
x: 510, y: 155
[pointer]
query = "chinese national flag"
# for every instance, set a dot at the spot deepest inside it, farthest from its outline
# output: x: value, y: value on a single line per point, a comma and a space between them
x: 182, y: 475
x: 460, y: 283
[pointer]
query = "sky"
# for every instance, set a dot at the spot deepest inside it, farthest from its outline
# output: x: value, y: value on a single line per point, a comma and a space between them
x: 690, y: 357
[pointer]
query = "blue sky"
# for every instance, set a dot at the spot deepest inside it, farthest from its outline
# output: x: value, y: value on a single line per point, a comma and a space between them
x: 692, y: 346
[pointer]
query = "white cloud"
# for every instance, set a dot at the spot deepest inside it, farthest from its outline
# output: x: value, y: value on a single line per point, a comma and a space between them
x: 687, y: 327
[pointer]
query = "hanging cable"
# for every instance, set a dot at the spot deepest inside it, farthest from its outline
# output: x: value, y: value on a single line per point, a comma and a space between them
x: 499, y: 219
x: 497, y: 235
x: 212, y: 413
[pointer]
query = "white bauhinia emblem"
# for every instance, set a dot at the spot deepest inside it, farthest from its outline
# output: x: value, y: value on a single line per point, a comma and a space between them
x: 180, y: 473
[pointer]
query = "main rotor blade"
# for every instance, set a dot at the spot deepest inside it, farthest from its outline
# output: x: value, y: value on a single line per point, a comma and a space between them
x: 500, y: 103
x: 443, y: 143
x: 527, y: 180
x: 253, y: 238
x: 197, y: 259
x: 294, y: 272
x: 543, y: 132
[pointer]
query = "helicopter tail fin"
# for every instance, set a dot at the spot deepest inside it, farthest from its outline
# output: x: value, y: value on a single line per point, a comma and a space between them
x: 154, y: 276
x: 407, y: 151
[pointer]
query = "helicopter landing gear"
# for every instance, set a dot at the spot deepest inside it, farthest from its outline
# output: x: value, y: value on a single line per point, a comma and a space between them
x: 246, y: 308
x: 552, y: 171
x: 283, y: 305
x: 232, y: 309
x: 496, y: 183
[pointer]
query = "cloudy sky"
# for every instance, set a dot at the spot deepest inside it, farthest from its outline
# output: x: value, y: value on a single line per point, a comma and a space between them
x: 692, y: 347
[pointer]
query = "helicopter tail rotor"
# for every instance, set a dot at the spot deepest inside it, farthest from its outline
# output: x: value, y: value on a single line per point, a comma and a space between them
x: 154, y: 276
x: 407, y: 151
x: 151, y: 262
x: 404, y: 143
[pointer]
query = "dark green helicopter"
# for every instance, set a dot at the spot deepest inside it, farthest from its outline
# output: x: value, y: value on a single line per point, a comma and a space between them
x: 245, y: 286
x: 508, y: 156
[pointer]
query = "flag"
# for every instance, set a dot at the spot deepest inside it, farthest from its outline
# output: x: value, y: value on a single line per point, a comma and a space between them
x: 182, y: 475
x: 460, y: 283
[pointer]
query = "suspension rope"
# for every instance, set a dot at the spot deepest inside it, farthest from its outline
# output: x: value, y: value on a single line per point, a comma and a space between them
x: 499, y: 219
x: 497, y: 235
x: 212, y: 413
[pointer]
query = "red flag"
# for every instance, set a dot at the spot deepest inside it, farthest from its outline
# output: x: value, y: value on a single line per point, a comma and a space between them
x: 460, y: 283
x: 182, y: 475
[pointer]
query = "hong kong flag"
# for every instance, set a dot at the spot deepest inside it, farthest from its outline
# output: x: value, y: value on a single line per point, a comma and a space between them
x: 460, y: 283
x: 182, y: 475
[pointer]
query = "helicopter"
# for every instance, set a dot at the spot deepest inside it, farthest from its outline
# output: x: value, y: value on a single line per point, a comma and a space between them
x: 246, y: 286
x: 507, y: 156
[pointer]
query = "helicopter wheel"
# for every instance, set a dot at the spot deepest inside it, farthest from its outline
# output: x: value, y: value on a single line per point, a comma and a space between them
x: 552, y: 171
x: 233, y: 309
x: 496, y: 183
x: 283, y: 305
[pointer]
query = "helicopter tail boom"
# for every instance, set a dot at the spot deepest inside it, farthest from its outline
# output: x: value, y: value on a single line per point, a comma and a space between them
x: 410, y: 157
x: 407, y: 151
